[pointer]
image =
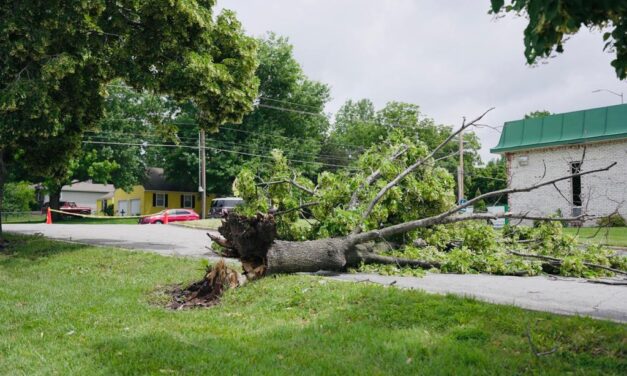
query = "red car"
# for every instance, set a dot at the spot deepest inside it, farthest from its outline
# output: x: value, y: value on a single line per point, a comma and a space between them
x: 174, y: 215
x: 68, y: 207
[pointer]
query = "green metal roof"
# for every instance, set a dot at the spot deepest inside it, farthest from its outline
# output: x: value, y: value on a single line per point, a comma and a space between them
x: 597, y: 124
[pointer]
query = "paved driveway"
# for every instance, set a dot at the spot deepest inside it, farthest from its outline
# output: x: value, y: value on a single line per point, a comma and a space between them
x: 162, y: 239
x: 558, y: 295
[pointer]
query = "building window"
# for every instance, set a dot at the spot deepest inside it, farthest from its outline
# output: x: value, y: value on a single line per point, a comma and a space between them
x: 160, y: 199
x: 188, y: 201
x: 575, y: 168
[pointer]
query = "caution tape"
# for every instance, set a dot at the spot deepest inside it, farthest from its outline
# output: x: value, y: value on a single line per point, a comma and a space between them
x: 100, y: 216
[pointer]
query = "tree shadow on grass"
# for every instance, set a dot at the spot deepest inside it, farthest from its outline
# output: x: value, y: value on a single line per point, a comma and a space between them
x: 34, y: 247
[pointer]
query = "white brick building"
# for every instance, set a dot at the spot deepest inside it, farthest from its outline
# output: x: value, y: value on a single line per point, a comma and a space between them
x: 553, y: 146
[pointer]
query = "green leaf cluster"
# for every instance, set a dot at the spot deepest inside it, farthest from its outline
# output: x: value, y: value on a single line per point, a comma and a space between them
x: 485, y: 250
x: 59, y: 57
x: 552, y: 22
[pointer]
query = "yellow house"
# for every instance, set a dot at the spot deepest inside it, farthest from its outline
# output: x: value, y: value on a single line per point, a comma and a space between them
x: 155, y: 195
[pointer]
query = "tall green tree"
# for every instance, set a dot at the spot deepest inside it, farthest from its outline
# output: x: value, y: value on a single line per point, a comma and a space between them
x: 289, y: 116
x: 551, y: 22
x: 59, y: 55
x: 489, y: 178
x: 104, y: 156
x: 358, y: 127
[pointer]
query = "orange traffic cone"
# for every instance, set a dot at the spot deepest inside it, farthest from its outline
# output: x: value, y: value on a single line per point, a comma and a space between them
x: 165, y: 218
x: 48, y: 217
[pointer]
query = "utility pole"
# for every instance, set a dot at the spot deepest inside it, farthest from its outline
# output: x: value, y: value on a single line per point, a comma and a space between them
x: 203, y: 175
x: 460, y: 169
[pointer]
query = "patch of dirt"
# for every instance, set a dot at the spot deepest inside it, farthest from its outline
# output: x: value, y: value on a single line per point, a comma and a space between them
x: 206, y: 292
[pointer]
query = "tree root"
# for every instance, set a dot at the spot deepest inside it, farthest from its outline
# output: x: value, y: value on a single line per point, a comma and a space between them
x: 207, y: 292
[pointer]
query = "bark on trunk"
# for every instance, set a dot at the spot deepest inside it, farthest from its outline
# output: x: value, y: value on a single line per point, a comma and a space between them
x: 307, y: 256
x: 252, y: 241
x: 55, y: 201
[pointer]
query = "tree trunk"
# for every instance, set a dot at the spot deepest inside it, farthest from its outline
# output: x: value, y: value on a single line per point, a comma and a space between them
x: 307, y: 256
x: 252, y: 241
x: 55, y: 201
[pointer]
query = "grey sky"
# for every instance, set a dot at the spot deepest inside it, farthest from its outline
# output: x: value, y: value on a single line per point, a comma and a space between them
x: 449, y: 57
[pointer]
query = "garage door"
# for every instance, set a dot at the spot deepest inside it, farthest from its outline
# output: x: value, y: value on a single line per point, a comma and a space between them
x: 135, y: 207
x: 123, y: 207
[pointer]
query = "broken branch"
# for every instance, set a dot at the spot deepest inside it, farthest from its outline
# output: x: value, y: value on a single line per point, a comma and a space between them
x: 411, y: 168
x: 292, y: 182
x: 560, y: 261
x: 305, y: 205
x: 371, y: 179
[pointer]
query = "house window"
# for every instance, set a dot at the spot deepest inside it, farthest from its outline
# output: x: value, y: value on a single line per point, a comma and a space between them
x: 188, y: 201
x: 159, y: 199
x: 575, y: 168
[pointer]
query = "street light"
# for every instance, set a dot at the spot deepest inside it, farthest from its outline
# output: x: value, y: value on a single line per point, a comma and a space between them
x: 612, y: 92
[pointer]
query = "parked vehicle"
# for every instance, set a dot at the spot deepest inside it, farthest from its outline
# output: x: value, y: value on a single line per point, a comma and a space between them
x: 223, y: 205
x: 68, y: 207
x: 174, y: 215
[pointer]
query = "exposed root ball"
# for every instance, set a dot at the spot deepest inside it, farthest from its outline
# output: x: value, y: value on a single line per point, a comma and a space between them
x: 206, y: 292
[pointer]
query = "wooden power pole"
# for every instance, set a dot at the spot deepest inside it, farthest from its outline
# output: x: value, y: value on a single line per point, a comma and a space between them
x: 460, y: 169
x: 203, y: 175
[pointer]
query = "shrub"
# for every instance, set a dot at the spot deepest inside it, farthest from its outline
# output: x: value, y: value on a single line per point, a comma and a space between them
x: 614, y: 220
x: 18, y: 197
x: 108, y: 210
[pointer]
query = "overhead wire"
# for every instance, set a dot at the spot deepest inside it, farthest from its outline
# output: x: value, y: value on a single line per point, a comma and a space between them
x: 288, y: 102
x: 266, y: 148
x: 355, y: 148
x: 210, y: 148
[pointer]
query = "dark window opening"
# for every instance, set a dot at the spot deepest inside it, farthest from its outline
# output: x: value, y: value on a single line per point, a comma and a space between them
x: 575, y: 168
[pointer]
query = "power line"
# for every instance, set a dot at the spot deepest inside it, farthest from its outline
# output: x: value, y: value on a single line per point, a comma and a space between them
x: 288, y: 102
x: 355, y: 148
x: 266, y: 148
x: 208, y: 147
x: 290, y: 110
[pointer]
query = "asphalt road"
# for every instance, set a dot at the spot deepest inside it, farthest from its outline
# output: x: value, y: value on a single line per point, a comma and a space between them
x: 163, y: 239
x: 570, y: 296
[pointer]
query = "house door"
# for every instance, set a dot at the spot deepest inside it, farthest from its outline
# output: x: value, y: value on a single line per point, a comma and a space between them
x: 123, y: 208
x: 135, y: 207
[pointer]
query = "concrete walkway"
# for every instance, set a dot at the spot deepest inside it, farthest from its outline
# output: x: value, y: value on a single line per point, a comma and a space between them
x: 570, y: 296
x: 566, y: 296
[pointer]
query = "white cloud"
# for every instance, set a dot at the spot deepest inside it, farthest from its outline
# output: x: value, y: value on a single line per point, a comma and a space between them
x: 449, y: 57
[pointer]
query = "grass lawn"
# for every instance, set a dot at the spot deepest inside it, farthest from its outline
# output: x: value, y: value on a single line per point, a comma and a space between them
x: 39, y: 218
x: 214, y: 223
x: 613, y: 236
x: 23, y: 218
x: 78, y: 310
x: 97, y: 221
x: 205, y: 224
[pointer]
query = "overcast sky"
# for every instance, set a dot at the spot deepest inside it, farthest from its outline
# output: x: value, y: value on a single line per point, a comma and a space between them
x: 449, y: 57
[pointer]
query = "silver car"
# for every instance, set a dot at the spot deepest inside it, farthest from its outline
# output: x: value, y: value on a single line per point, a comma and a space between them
x: 223, y: 205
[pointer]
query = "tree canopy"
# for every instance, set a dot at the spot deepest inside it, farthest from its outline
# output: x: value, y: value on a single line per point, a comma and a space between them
x: 551, y: 22
x: 58, y: 56
x: 289, y: 116
x: 358, y: 126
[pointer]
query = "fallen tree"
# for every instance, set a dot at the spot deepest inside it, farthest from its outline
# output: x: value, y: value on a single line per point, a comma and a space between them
x: 253, y: 238
x: 375, y: 213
